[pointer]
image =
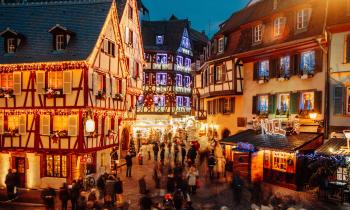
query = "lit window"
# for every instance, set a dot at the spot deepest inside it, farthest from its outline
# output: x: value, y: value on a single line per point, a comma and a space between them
x: 60, y: 123
x: 263, y: 69
x: 257, y: 33
x: 185, y: 43
x: 60, y: 45
x: 279, y: 24
x: 6, y: 81
x: 218, y: 73
x: 56, y: 166
x: 159, y: 100
x: 307, y: 101
x: 100, y: 82
x: 179, y: 60
x: 109, y: 47
x: 187, y: 81
x: 13, y: 122
x: 11, y: 45
x: 179, y: 101
x: 279, y: 161
x: 263, y: 104
x: 284, y: 66
x: 342, y: 174
x: 187, y: 102
x: 283, y: 103
x: 178, y: 80
x: 55, y: 79
x: 161, y: 79
x: 303, y: 18
x: 162, y: 58
x: 307, y: 64
x: 160, y: 39
x: 187, y: 62
x: 221, y: 45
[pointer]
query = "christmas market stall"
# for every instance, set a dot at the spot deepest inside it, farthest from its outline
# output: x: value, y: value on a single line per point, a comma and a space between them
x: 273, y: 158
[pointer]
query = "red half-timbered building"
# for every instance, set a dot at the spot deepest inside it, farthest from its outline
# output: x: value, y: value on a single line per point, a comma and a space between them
x: 60, y: 72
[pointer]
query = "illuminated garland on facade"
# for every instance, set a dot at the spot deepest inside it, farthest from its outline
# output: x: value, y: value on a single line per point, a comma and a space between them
x: 52, y: 112
x: 55, y: 66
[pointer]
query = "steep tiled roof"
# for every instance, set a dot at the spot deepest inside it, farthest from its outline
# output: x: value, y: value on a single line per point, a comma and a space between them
x: 33, y: 21
x: 171, y: 29
x: 288, y: 143
x: 333, y: 147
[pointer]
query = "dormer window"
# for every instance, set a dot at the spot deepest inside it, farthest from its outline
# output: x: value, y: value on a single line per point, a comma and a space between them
x: 160, y: 39
x: 221, y: 45
x: 11, y: 45
x: 11, y: 40
x: 303, y: 18
x: 61, y: 37
x: 60, y: 42
x: 257, y: 33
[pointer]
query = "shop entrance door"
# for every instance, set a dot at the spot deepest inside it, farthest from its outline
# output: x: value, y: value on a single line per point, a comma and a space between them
x: 20, y: 166
x: 241, y: 163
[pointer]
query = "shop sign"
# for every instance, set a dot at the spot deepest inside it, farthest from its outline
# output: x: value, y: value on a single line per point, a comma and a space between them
x: 245, y: 147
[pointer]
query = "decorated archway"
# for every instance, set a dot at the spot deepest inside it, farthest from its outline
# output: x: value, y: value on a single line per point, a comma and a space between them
x: 125, y: 139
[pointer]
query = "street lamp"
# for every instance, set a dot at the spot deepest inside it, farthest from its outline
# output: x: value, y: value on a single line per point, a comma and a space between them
x: 347, y: 135
x: 90, y: 125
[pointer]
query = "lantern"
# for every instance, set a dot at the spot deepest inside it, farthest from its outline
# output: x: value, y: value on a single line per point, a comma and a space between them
x: 313, y: 115
x: 90, y: 126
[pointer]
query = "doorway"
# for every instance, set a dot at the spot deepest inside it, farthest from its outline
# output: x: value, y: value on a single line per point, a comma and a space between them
x: 20, y: 166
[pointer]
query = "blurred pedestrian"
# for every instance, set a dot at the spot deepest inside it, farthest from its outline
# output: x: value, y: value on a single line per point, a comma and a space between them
x: 170, y: 183
x: 64, y: 196
x: 142, y: 185
x: 237, y: 184
x: 183, y: 154
x: 119, y: 190
x: 162, y: 156
x: 101, y: 183
x: 48, y: 195
x: 211, y: 164
x: 82, y: 201
x: 178, y: 199
x: 145, y: 202
x: 128, y: 160
x: 168, y: 203
x: 10, y: 184
x: 192, y: 180
x: 110, y: 191
x: 140, y: 158
x: 74, y: 194
x: 156, y: 176
x: 155, y: 151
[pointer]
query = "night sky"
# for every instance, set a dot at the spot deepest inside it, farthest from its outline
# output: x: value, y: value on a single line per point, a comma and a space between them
x: 203, y: 14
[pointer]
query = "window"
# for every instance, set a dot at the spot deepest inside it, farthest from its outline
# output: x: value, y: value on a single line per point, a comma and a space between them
x: 283, y: 103
x: 185, y: 43
x: 159, y: 100
x: 284, y: 66
x: 160, y: 39
x: 221, y: 45
x: 179, y: 101
x: 307, y: 64
x: 109, y: 47
x: 187, y: 102
x: 257, y: 33
x: 187, y: 81
x: 263, y: 72
x: 13, y: 122
x: 60, y: 123
x: 279, y: 161
x: 307, y: 101
x: 342, y: 174
x: 11, y: 45
x: 187, y: 62
x: 218, y: 73
x: 178, y: 80
x: 100, y: 82
x: 303, y: 18
x: 6, y: 81
x: 131, y: 38
x: 130, y: 12
x: 179, y: 60
x: 161, y: 79
x: 56, y: 165
x: 278, y: 26
x: 60, y: 42
x: 162, y: 58
x: 263, y: 104
x: 55, y: 79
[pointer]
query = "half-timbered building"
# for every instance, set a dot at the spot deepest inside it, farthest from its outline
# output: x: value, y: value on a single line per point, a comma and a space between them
x: 63, y: 90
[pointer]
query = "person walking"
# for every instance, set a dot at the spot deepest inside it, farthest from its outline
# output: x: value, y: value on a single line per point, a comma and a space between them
x: 192, y: 180
x: 142, y: 185
x: 110, y: 191
x: 162, y: 156
x: 128, y: 159
x: 10, y: 184
x: 101, y: 183
x: 170, y: 183
x: 48, y: 195
x: 183, y: 154
x: 119, y: 190
x: 140, y: 158
x: 211, y: 165
x: 149, y: 148
x: 64, y: 196
x: 156, y: 176
x: 155, y: 151
x: 237, y: 185
x: 178, y: 199
x: 145, y: 202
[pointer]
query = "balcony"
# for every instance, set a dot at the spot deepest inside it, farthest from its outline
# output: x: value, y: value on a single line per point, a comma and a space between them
x: 200, y: 114
x: 159, y: 66
x: 183, y: 90
x: 183, y: 109
x: 182, y: 68
x: 153, y: 109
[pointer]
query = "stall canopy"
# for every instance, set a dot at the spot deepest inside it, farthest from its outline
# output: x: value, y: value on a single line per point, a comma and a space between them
x: 334, y: 146
x: 279, y: 142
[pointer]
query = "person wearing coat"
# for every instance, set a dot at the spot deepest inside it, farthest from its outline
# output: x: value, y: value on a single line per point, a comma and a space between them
x: 178, y: 199
x: 170, y: 183
x: 192, y: 180
x: 10, y: 184
x: 183, y: 154
x: 119, y: 190
x: 110, y: 191
x: 162, y: 156
x: 128, y: 160
x: 48, y: 195
x: 64, y: 196
x: 155, y: 151
x: 74, y: 195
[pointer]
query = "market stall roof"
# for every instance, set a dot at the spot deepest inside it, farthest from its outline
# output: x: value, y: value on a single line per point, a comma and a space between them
x: 334, y: 147
x: 258, y: 140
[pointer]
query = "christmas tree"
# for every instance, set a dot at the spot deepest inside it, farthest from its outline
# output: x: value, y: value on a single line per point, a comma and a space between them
x: 132, y: 149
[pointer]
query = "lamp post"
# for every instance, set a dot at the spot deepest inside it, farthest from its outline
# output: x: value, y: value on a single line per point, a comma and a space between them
x: 347, y: 135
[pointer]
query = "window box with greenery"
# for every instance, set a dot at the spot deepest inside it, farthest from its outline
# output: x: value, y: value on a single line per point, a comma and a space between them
x: 101, y: 95
x: 306, y: 102
x: 53, y: 93
x: 16, y: 125
x: 118, y: 97
x: 6, y: 93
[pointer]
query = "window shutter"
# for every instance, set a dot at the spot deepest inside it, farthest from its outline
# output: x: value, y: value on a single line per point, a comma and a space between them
x: 105, y: 45
x: 223, y: 73
x: 256, y: 71
x: 17, y: 83
x: 272, y: 104
x: 338, y: 100
x: 108, y: 86
x: 212, y: 75
x: 114, y: 87
x: 318, y: 102
x: 99, y: 126
x: 67, y: 82
x: 127, y: 35
x: 22, y: 128
x: 95, y: 83
x: 255, y: 109
x: 2, y: 122
x: 296, y: 66
x: 40, y: 82
x: 278, y: 72
x: 318, y: 60
x: 232, y: 105
x: 73, y: 125
x: 292, y: 65
x: 272, y: 68
x: 45, y: 124
x: 294, y: 103
x: 123, y: 86
x: 42, y: 166
x: 107, y: 125
x: 347, y: 48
